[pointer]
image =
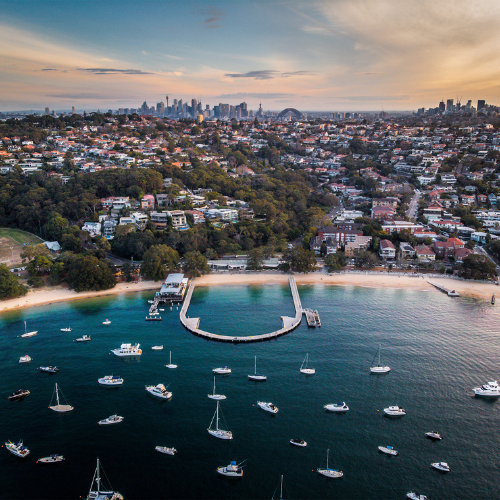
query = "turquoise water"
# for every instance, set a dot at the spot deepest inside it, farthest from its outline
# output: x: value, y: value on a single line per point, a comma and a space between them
x: 438, y: 349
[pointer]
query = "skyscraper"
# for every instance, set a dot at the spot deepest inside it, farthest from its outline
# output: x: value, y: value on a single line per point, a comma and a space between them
x: 442, y: 107
x: 481, y: 104
x: 47, y: 111
x: 73, y: 110
x: 449, y: 105
x: 160, y: 108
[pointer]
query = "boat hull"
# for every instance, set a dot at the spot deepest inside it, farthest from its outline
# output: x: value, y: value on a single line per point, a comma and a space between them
x: 217, y: 397
x: 50, y: 460
x: 257, y: 378
x: 221, y: 434
x: 388, y: 451
x: 266, y: 407
x: 308, y: 371
x: 165, y: 450
x: 222, y: 371
x: 48, y: 369
x: 379, y: 370
x: 332, y: 474
x: 339, y: 409
x: 61, y: 408
x: 234, y: 474
x: 172, y: 367
x: 14, y: 396
x: 296, y: 442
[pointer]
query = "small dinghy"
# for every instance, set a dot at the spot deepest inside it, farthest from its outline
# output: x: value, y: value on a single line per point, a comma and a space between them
x: 389, y: 450
x: 165, y: 450
x: 298, y: 442
x: 53, y: 459
x: 107, y: 322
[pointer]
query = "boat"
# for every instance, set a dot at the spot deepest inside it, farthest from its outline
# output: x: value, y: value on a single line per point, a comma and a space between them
x: 84, y: 338
x: 305, y: 369
x: 224, y: 370
x: 18, y: 449
x: 170, y: 365
x: 389, y: 450
x: 52, y: 459
x: 395, y: 411
x: 160, y: 391
x: 379, y: 369
x: 112, y: 380
x: 416, y: 496
x: 434, y: 435
x: 24, y: 359
x: 153, y: 318
x: 21, y: 393
x: 157, y: 348
x: 167, y: 451
x: 151, y: 301
x: 255, y: 377
x: 28, y: 334
x: 270, y: 407
x: 490, y: 390
x: 281, y: 489
x: 107, y: 322
x: 332, y: 473
x: 441, y: 466
x: 298, y: 442
x: 231, y: 470
x: 128, y: 350
x: 59, y: 407
x: 49, y: 369
x: 219, y: 397
x: 67, y: 329
x: 98, y: 493
x: 218, y: 433
x: 337, y: 407
x: 113, y: 419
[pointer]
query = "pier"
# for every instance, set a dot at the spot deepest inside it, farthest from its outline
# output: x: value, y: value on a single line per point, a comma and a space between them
x: 450, y: 293
x: 289, y: 323
x: 312, y: 318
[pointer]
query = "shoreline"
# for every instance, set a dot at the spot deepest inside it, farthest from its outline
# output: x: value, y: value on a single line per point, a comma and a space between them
x: 52, y: 295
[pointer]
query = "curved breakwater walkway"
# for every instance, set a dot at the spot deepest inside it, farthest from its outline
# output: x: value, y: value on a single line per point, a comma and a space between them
x: 289, y: 323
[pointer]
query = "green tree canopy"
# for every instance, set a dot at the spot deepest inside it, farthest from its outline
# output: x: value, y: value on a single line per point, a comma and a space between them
x: 335, y: 261
x: 157, y: 261
x: 299, y: 260
x: 10, y: 288
x: 196, y: 263
x: 53, y: 228
x: 477, y: 267
x: 255, y: 259
x: 87, y: 272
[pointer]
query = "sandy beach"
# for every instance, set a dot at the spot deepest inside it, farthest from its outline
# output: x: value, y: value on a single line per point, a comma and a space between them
x: 50, y: 295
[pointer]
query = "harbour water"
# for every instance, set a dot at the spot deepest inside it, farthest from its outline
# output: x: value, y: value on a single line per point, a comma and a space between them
x: 438, y: 349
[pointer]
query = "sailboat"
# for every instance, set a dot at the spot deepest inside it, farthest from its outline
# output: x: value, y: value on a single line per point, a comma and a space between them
x: 332, y: 473
x: 59, y: 407
x: 28, y: 334
x: 255, y: 377
x: 281, y: 490
x: 170, y: 365
x: 218, y: 433
x: 97, y: 493
x: 379, y: 368
x: 307, y: 371
x: 219, y: 397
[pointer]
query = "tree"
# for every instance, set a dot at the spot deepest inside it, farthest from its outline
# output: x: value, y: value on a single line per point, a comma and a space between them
x: 196, y: 263
x: 39, y: 265
x: 30, y: 252
x: 335, y: 261
x: 365, y: 259
x: 255, y: 259
x: 87, y: 272
x: 477, y: 267
x: 10, y: 288
x: 299, y: 260
x: 157, y: 261
x: 54, y: 227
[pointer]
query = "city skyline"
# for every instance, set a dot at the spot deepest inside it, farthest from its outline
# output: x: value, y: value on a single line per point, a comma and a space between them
x: 314, y: 55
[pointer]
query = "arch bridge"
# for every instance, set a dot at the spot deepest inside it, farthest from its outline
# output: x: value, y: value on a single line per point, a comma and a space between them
x: 293, y: 111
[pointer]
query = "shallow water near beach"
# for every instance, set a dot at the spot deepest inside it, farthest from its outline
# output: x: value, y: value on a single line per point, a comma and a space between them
x: 438, y: 349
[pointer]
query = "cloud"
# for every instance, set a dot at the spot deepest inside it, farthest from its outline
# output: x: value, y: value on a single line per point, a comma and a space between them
x: 80, y: 95
x: 49, y: 69
x: 368, y: 73
x: 112, y: 71
x: 255, y: 95
x: 368, y: 98
x: 212, y: 17
x: 172, y: 57
x: 267, y: 74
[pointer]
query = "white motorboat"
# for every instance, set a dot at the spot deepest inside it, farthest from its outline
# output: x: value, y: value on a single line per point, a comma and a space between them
x: 157, y: 348
x: 67, y: 329
x: 49, y: 369
x: 305, y: 369
x: 490, y: 390
x: 270, y: 407
x: 52, y: 459
x: 218, y: 433
x: 389, y: 450
x: 219, y: 397
x: 28, y: 334
x: 332, y: 473
x: 19, y: 394
x: 170, y: 365
x: 18, y: 449
x: 395, y: 411
x: 113, y: 419
x: 112, y: 380
x: 107, y: 322
x: 96, y: 493
x: 160, y: 391
x: 165, y: 450
x: 231, y: 470
x: 441, y: 466
x: 84, y: 338
x: 128, y: 350
x: 298, y: 442
x: 224, y: 370
x: 336, y: 407
x: 255, y: 377
x: 416, y: 496
x: 24, y: 359
x: 59, y: 407
x: 379, y: 369
x: 434, y: 435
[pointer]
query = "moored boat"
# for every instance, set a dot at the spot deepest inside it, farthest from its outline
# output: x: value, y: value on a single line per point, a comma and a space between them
x: 99, y: 493
x: 18, y: 449
x: 25, y: 359
x: 298, y: 442
x: 52, y: 459
x: 49, y: 369
x: 270, y: 407
x: 113, y: 419
x: 331, y: 473
x: 219, y: 397
x: 59, y: 407
x: 128, y: 350
x: 28, y: 334
x: 389, y: 450
x: 165, y: 450
x: 231, y: 470
x: 84, y: 338
x: 112, y: 380
x: 491, y: 390
x: 157, y: 348
x: 416, y: 496
x: 67, y: 329
x: 304, y: 368
x: 107, y: 322
x: 224, y: 370
x: 159, y: 390
x: 255, y: 377
x: 379, y: 369
x: 340, y: 407
x: 218, y: 433
x: 441, y: 466
x: 395, y: 411
x: 21, y: 393
x: 434, y: 435
x: 170, y: 365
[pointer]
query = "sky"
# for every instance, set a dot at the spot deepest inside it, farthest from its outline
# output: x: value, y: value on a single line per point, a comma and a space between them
x: 324, y: 55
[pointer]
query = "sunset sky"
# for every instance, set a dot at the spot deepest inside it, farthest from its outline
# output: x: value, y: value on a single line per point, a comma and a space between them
x: 311, y: 55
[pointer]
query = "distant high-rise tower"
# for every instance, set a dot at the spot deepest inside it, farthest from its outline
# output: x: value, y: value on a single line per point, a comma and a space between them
x: 73, y: 111
x: 442, y: 107
x: 481, y: 104
x: 47, y: 111
x: 160, y: 108
x: 468, y: 105
x: 449, y: 105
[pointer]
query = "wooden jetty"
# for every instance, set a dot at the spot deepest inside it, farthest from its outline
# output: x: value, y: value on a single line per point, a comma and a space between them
x: 289, y: 323
x: 450, y: 293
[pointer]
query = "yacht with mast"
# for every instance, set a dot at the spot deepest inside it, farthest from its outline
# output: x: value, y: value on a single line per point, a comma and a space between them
x: 28, y: 334
x: 110, y: 380
x: 96, y: 493
x: 332, y: 473
x: 170, y: 365
x: 218, y: 433
x: 218, y: 397
x: 305, y: 369
x: 379, y: 369
x: 255, y: 377
x: 59, y: 407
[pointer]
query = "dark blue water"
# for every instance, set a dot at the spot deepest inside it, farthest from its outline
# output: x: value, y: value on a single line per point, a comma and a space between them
x: 438, y: 349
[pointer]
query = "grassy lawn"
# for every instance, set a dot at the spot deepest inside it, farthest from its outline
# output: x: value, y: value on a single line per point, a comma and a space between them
x: 19, y: 236
x: 11, y: 241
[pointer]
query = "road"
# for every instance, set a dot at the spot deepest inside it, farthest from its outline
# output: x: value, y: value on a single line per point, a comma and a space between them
x: 412, y: 211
